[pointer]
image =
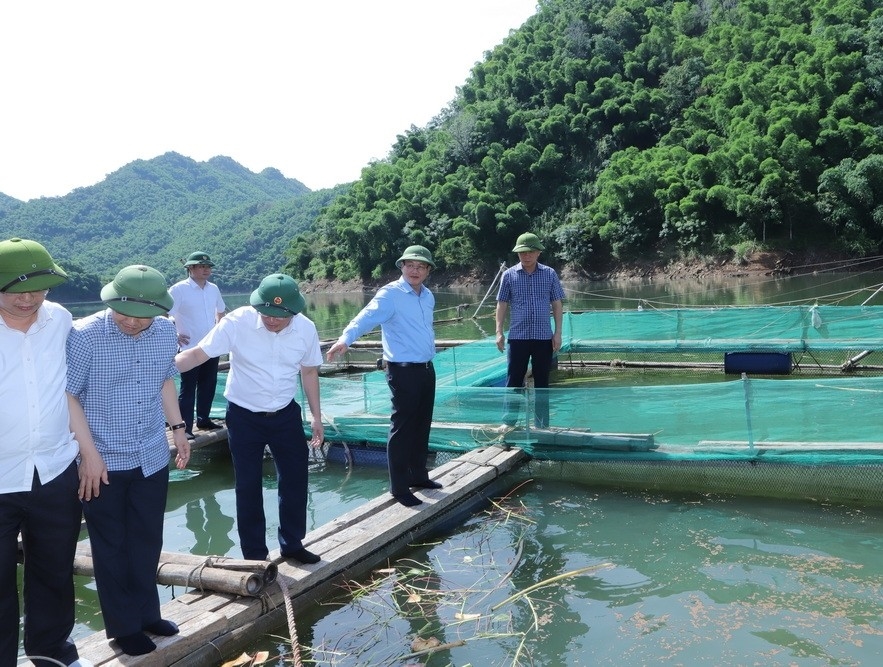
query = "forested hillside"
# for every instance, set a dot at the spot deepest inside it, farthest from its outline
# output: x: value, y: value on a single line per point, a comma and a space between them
x: 157, y: 211
x: 623, y: 129
x: 618, y: 130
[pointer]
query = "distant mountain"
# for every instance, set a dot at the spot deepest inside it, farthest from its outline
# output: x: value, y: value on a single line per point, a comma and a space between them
x: 158, y: 211
x: 7, y: 203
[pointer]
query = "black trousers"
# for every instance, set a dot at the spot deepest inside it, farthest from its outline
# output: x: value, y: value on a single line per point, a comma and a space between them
x: 48, y: 517
x: 283, y: 432
x: 413, y: 400
x: 198, y: 386
x: 539, y: 354
x: 125, y: 526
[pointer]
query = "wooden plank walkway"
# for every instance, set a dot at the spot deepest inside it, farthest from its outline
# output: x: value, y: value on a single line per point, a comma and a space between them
x: 216, y: 627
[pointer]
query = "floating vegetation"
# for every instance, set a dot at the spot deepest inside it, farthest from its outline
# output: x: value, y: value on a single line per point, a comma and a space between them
x: 419, y: 608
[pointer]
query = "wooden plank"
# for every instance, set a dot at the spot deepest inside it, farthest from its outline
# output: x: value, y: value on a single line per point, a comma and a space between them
x: 215, y: 627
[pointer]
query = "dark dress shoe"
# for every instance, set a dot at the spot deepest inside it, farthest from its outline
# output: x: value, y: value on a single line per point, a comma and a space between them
x: 189, y: 435
x: 426, y: 484
x: 407, y: 499
x: 208, y: 425
x: 302, y: 556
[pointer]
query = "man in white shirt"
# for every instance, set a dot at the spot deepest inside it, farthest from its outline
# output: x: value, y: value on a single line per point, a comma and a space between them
x: 198, y: 307
x: 44, y: 429
x: 271, y: 345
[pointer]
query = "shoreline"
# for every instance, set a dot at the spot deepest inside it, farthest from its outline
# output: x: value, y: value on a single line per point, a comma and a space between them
x: 759, y: 263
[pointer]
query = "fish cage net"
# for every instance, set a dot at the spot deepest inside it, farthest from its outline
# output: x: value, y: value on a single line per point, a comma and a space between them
x: 666, y: 396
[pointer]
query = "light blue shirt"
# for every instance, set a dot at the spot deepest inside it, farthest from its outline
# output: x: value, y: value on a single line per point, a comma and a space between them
x: 118, y: 379
x: 405, y: 321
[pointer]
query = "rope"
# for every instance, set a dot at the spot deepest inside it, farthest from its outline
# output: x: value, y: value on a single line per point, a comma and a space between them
x: 289, y: 615
x: 198, y: 571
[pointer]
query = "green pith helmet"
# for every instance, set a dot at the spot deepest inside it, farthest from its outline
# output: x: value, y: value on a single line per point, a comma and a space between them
x: 138, y: 291
x: 26, y: 266
x: 416, y: 253
x: 196, y: 258
x: 278, y: 296
x: 527, y: 242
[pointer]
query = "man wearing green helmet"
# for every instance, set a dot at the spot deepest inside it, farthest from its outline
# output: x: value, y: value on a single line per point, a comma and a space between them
x: 530, y: 290
x: 274, y: 349
x: 403, y: 309
x: 44, y: 429
x: 122, y: 369
x: 198, y: 307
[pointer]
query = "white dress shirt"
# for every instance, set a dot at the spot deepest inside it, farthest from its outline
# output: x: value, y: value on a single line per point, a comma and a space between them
x: 264, y: 366
x: 196, y: 309
x: 34, y: 417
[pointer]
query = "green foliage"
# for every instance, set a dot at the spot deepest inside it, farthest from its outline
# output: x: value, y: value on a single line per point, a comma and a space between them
x: 630, y: 129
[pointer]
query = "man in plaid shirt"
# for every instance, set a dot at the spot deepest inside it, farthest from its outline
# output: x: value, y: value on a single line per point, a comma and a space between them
x: 530, y: 290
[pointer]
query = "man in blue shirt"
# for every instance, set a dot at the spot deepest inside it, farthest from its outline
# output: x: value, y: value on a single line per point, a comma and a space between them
x: 403, y: 309
x: 121, y: 367
x: 530, y: 290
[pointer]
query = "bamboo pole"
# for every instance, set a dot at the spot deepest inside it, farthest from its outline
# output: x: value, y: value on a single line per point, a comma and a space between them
x: 201, y: 577
x: 266, y: 569
x: 264, y: 572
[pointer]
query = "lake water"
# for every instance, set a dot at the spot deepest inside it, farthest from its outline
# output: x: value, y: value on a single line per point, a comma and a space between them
x: 677, y: 579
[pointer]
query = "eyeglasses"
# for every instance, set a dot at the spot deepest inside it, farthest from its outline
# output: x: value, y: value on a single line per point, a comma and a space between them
x: 419, y: 266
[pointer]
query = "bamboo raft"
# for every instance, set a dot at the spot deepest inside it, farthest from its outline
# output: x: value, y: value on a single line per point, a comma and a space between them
x: 219, y: 625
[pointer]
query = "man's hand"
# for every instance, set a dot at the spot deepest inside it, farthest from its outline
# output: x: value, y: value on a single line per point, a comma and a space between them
x: 93, y: 473
x: 182, y: 444
x: 335, y: 350
x: 501, y: 342
x: 318, y: 430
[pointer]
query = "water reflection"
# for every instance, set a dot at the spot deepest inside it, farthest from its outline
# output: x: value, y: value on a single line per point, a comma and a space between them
x: 210, y: 526
x: 691, y: 580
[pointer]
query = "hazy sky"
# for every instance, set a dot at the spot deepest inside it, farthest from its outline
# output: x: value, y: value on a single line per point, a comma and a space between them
x: 315, y: 88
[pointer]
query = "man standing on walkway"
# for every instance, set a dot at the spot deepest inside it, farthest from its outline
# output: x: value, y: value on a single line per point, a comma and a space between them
x: 403, y: 310
x: 43, y: 431
x: 121, y: 367
x: 270, y: 343
x: 198, y: 307
x: 531, y: 290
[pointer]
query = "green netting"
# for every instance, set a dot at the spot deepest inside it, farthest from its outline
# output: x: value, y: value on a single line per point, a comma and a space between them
x: 808, y: 419
x: 742, y: 417
x: 767, y: 328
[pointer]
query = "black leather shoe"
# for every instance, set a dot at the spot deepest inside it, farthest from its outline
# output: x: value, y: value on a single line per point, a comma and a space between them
x: 407, y: 499
x: 302, y: 556
x: 189, y: 435
x: 207, y: 425
x: 426, y: 484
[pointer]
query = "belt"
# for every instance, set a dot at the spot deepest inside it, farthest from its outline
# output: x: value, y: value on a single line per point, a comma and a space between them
x: 267, y: 413
x: 406, y: 364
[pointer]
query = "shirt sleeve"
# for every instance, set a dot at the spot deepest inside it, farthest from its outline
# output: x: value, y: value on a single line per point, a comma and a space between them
x: 220, y: 338
x: 379, y: 310
x: 557, y: 291
x: 79, y: 354
x: 505, y: 291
